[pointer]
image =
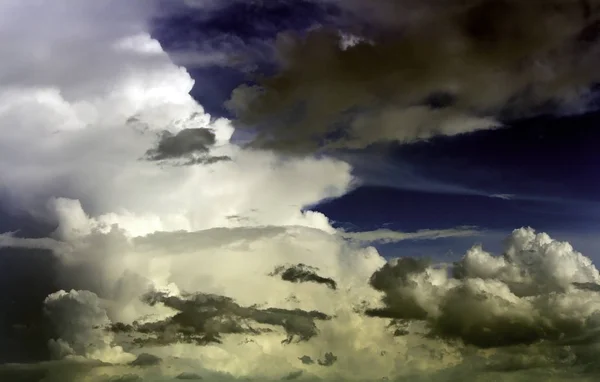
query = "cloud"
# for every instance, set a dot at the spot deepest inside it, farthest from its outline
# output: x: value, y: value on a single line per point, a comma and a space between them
x: 191, y: 145
x: 328, y: 360
x: 189, y: 376
x: 185, y: 142
x: 232, y: 262
x: 146, y: 359
x: 79, y: 320
x: 202, y: 319
x: 106, y: 97
x: 302, y: 273
x: 524, y: 297
x: 518, y: 311
x: 491, y: 58
x: 389, y: 236
x: 150, y: 260
x: 503, y: 196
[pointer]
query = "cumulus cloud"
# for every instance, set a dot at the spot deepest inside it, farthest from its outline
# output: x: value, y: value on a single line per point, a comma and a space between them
x: 488, y: 59
x: 79, y: 320
x: 525, y: 296
x: 232, y: 262
x: 108, y: 97
x: 160, y: 283
x: 515, y: 312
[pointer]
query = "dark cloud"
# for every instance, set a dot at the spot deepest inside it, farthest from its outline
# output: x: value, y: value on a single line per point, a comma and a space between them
x: 464, y: 311
x: 293, y: 375
x: 302, y: 273
x: 306, y: 360
x: 191, y: 145
x: 208, y: 160
x: 493, y: 302
x: 203, y: 319
x: 51, y: 371
x: 328, y: 359
x: 185, y: 142
x: 393, y: 279
x: 28, y: 276
x: 146, y: 359
x: 487, y: 58
x: 189, y: 376
x: 587, y: 286
x: 125, y: 378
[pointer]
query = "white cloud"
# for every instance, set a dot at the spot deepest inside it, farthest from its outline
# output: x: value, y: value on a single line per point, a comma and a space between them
x: 81, y: 108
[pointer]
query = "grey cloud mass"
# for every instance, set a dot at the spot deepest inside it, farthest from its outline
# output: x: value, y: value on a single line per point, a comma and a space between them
x: 488, y: 58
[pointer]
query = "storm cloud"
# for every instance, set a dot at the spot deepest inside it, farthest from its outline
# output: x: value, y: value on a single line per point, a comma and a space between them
x: 422, y: 69
x: 531, y: 294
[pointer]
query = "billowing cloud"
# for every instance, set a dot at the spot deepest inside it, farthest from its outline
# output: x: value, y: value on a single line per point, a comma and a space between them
x: 79, y: 320
x: 511, y: 313
x: 81, y: 132
x: 524, y: 297
x: 424, y: 69
x: 160, y: 283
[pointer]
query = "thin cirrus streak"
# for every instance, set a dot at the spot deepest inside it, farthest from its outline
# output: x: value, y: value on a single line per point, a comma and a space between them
x: 161, y: 284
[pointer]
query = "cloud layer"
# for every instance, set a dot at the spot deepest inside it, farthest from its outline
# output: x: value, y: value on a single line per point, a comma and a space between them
x: 206, y: 303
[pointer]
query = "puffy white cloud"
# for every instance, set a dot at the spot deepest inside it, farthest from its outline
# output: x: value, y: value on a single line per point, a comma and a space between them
x: 92, y: 94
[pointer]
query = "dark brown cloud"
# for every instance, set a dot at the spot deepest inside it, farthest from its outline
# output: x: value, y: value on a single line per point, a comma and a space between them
x: 487, y: 56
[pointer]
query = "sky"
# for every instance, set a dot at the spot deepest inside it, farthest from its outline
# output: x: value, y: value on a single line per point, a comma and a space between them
x: 304, y: 190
